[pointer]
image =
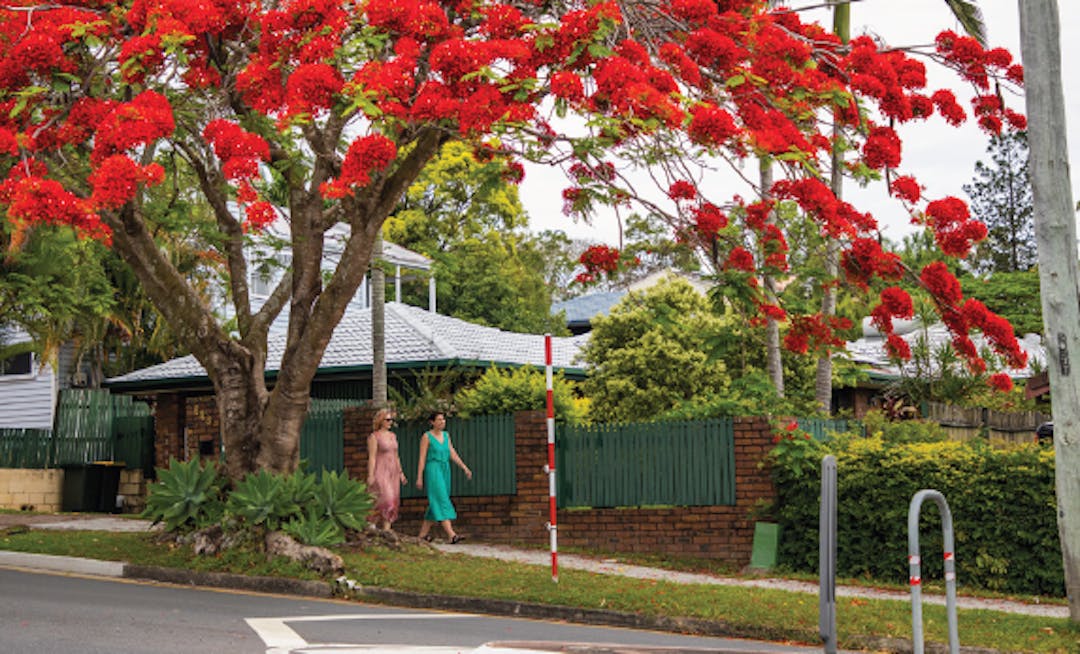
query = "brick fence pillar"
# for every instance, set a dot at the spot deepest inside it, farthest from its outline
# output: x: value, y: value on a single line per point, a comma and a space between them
x: 168, y: 427
x: 529, y: 508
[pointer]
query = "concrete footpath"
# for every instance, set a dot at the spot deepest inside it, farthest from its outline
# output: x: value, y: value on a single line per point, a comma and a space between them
x: 99, y: 522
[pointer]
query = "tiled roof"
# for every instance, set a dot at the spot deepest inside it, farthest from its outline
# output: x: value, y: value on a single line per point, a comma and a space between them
x: 870, y: 349
x: 582, y: 309
x: 413, y: 336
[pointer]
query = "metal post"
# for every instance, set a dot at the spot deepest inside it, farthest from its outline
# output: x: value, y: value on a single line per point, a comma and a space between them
x: 915, y: 567
x: 552, y: 524
x: 827, y: 555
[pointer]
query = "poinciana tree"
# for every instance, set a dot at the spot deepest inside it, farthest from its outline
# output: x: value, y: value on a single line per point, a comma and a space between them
x: 767, y: 86
x: 320, y: 112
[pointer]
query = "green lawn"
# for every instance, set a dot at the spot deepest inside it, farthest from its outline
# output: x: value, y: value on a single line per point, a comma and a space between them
x: 757, y: 613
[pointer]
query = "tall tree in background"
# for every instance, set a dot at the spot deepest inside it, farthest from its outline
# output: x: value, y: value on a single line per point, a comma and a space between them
x: 1055, y: 233
x: 651, y: 352
x: 1001, y: 198
x: 970, y: 18
x: 466, y: 215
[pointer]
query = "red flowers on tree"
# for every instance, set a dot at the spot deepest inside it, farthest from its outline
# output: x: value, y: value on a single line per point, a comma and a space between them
x: 323, y: 112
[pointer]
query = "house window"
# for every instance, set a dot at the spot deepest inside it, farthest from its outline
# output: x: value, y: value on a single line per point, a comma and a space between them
x: 19, y: 364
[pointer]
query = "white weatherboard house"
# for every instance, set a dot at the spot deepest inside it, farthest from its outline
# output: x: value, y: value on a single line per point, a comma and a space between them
x: 27, y: 388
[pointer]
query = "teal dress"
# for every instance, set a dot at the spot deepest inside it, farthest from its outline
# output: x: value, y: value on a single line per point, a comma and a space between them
x: 437, y: 479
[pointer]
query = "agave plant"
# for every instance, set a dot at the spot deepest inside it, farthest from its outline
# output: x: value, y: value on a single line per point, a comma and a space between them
x: 187, y: 496
x: 345, y: 501
x: 315, y: 530
x: 263, y: 498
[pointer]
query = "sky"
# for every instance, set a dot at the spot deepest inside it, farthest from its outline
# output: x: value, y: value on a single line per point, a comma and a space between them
x: 941, y: 157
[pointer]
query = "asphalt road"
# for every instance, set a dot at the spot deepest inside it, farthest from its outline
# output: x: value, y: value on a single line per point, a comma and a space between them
x: 44, y: 613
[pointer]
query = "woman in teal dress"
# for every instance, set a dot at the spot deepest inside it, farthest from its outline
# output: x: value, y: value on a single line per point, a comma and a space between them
x: 433, y: 475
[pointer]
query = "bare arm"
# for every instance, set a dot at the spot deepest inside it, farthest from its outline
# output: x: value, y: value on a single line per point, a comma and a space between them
x: 457, y: 459
x: 423, y: 460
x: 401, y: 471
x: 372, y: 452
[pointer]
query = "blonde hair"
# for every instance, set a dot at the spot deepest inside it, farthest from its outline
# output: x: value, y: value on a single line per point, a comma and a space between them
x: 380, y: 415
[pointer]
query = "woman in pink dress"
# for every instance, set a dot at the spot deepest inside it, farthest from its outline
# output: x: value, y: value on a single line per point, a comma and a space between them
x: 385, y: 475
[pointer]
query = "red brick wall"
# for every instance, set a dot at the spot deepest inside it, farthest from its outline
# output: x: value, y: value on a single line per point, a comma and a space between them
x: 719, y: 532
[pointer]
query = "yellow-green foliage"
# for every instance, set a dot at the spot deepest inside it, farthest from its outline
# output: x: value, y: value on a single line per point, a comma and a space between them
x: 1002, y: 502
x: 651, y: 353
x: 523, y: 389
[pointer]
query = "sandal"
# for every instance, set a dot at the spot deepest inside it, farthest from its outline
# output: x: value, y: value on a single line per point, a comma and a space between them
x: 429, y: 538
x: 456, y: 539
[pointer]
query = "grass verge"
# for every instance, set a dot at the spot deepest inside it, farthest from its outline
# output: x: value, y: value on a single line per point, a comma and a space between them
x: 762, y: 613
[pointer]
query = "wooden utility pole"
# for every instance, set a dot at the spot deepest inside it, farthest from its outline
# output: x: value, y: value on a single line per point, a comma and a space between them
x: 1055, y: 235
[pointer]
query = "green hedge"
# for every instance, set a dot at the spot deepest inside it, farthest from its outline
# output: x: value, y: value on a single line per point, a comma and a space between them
x: 1002, y: 501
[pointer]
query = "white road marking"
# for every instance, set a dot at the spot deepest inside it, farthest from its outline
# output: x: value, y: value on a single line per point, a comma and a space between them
x: 279, y: 638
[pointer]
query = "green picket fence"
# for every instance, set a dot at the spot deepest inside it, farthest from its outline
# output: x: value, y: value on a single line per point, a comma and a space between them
x: 678, y: 463
x: 25, y: 448
x: 84, y: 427
x: 485, y: 443
x: 321, y: 438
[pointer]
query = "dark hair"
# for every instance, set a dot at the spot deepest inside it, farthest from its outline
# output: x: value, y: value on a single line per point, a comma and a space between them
x: 435, y: 414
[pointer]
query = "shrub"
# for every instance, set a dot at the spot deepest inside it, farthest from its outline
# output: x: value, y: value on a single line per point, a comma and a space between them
x: 314, y: 511
x: 876, y: 423
x: 1002, y: 502
x: 264, y: 499
x: 186, y: 497
x: 523, y: 389
x: 343, y: 501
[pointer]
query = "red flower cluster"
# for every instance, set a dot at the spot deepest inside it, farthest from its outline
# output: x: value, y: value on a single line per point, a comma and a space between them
x: 311, y: 88
x: 147, y: 118
x: 240, y: 151
x: 954, y: 231
x: 906, y: 188
x: 865, y: 259
x: 1001, y: 382
x: 740, y: 259
x: 116, y: 180
x: 980, y: 66
x: 35, y: 200
x: 894, y: 302
x: 365, y: 155
x: 139, y: 56
x: 708, y: 221
x: 567, y: 85
x: 942, y: 284
x: 710, y: 125
x: 838, y: 218
x: 815, y: 332
x: 882, y: 148
x: 896, y: 347
x: 772, y: 312
x: 258, y: 215
x: 997, y: 330
x: 682, y: 190
x: 600, y: 259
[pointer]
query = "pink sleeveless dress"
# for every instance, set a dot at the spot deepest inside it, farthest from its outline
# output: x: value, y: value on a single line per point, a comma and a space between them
x: 386, y: 485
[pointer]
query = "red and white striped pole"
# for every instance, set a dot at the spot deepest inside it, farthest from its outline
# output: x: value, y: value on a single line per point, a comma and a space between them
x: 552, y: 524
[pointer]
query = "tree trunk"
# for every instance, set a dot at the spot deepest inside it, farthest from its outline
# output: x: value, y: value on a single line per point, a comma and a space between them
x: 1055, y: 235
x: 773, y: 361
x: 378, y: 326
x: 823, y: 375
